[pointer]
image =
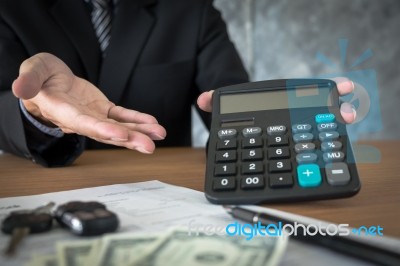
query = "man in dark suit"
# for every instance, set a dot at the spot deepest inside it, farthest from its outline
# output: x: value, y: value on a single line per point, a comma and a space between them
x: 161, y: 56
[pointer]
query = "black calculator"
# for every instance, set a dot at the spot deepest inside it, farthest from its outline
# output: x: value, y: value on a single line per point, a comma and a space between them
x: 278, y: 141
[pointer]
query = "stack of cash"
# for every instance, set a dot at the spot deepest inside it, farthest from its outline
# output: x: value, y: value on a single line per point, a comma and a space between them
x: 174, y: 247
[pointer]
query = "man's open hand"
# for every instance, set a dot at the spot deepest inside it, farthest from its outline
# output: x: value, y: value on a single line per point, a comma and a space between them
x: 55, y: 96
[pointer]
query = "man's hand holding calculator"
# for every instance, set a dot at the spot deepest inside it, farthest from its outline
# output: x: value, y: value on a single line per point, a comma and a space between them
x: 280, y: 140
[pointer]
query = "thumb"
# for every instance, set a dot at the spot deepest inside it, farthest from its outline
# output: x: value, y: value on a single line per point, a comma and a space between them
x: 27, y: 85
x: 34, y: 72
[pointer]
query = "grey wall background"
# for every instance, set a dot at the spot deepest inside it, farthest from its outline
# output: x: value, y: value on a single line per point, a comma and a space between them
x: 280, y: 39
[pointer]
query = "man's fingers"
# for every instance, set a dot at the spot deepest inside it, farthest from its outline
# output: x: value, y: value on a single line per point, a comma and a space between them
x: 205, y: 101
x: 137, y: 121
x: 154, y: 131
x: 348, y: 112
x: 136, y: 141
x: 120, y: 134
x: 122, y: 114
x: 344, y: 85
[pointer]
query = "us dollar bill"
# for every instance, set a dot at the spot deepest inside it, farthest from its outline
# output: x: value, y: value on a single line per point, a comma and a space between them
x: 175, y: 247
x: 74, y: 253
x: 123, y: 249
x: 44, y: 260
x: 181, y: 248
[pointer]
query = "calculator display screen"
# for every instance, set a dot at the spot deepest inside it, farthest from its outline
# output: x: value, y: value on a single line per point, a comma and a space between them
x: 299, y: 97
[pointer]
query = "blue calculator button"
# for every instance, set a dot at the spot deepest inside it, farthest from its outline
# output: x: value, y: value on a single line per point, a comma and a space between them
x: 309, y: 175
x: 324, y: 118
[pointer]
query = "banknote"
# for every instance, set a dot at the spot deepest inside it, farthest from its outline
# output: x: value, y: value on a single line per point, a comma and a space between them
x: 173, y: 247
x: 44, y: 260
x: 74, y: 253
x: 181, y: 248
x: 122, y: 249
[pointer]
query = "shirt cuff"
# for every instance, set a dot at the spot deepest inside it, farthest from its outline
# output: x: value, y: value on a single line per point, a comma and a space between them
x: 55, y: 132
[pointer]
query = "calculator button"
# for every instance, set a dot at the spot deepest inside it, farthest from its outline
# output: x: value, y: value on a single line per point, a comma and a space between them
x: 252, y: 182
x: 251, y: 131
x: 280, y: 166
x: 309, y: 175
x: 331, y: 146
x: 304, y: 147
x: 276, y: 130
x: 277, y: 141
x: 252, y: 168
x: 280, y: 152
x: 326, y: 127
x: 253, y: 154
x: 326, y: 136
x: 252, y: 142
x: 225, y: 156
x: 324, y: 118
x: 225, y: 169
x: 337, y: 174
x: 227, y: 133
x: 306, y: 158
x: 226, y: 144
x: 301, y: 128
x: 280, y: 180
x: 303, y: 137
x: 224, y: 183
x: 335, y: 156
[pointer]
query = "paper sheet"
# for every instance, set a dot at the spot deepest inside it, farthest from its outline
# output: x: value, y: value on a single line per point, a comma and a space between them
x: 150, y: 207
x: 146, y: 207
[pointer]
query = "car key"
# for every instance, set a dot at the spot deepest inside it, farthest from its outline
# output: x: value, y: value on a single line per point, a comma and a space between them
x: 19, y: 224
x: 86, y: 218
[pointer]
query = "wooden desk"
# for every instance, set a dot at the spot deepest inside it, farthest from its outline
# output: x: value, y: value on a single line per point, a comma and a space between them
x: 378, y: 202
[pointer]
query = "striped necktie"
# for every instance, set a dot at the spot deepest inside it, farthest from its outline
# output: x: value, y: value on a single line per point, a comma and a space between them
x: 101, y: 19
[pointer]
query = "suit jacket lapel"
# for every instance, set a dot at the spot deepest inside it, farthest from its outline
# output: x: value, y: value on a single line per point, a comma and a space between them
x: 130, y: 30
x: 74, y: 19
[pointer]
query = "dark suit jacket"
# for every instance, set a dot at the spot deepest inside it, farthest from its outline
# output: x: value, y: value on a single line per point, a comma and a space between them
x: 162, y: 55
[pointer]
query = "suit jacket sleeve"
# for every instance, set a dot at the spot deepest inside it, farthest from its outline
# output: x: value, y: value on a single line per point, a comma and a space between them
x: 17, y: 135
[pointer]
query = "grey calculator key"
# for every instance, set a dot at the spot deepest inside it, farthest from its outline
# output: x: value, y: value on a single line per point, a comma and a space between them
x: 300, y: 128
x: 337, y: 174
x: 335, y: 156
x: 327, y: 127
x: 227, y: 133
x: 306, y: 158
x: 276, y: 130
x: 303, y: 137
x: 251, y: 131
x: 326, y: 136
x: 331, y: 146
x: 304, y: 147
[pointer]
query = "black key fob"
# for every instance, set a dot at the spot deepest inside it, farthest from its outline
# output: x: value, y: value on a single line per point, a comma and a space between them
x: 86, y: 218
x: 36, y: 222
